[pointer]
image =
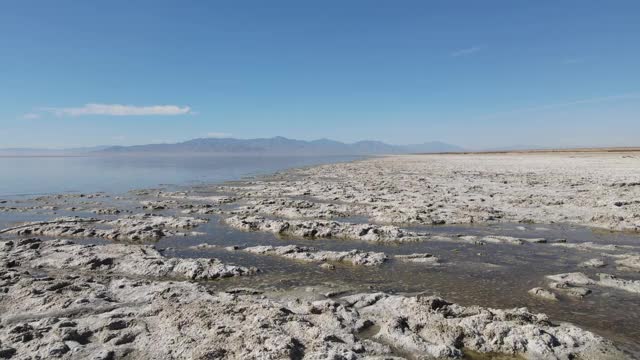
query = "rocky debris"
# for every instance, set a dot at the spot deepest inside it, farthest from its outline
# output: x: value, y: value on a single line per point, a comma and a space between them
x: 496, y: 239
x: 626, y: 203
x: 492, y: 239
x: 305, y: 253
x: 106, y: 211
x: 139, y: 227
x: 573, y: 279
x: 436, y: 328
x: 589, y: 246
x: 623, y: 184
x: 187, y: 196
x: 569, y: 290
x: 106, y: 317
x: 24, y: 209
x: 62, y: 196
x: 7, y: 352
x: 175, y: 222
x: 629, y: 262
x: 324, y: 229
x: 543, y: 294
x: 612, y: 281
x: 189, y: 204
x: 294, y: 209
x: 158, y: 205
x: 592, y: 263
x: 129, y: 260
x: 244, y: 291
x: 424, y: 258
x: 204, y: 246
x: 607, y: 280
x: 204, y: 209
x: 327, y: 266
x: 29, y: 227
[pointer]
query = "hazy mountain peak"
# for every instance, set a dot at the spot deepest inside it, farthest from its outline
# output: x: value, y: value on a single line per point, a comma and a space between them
x: 280, y: 145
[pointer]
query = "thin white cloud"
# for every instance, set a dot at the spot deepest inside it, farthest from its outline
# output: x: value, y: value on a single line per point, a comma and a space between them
x: 31, y: 116
x: 121, y: 110
x: 218, y: 135
x: 467, y: 51
x: 601, y: 99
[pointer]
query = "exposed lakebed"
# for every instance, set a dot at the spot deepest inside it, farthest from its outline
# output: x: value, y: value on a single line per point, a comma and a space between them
x: 493, y: 264
x: 490, y: 275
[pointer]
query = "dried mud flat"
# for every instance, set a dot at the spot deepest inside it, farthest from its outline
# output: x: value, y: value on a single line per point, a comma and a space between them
x: 591, y: 189
x: 145, y: 274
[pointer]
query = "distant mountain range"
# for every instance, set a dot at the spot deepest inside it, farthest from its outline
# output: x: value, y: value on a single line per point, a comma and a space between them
x: 271, y: 146
x: 275, y: 146
x: 281, y: 146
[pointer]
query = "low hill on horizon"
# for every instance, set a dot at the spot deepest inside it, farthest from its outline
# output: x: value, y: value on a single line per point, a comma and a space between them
x: 282, y: 146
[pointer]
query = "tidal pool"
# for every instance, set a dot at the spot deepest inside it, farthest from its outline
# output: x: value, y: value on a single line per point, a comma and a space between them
x: 490, y: 275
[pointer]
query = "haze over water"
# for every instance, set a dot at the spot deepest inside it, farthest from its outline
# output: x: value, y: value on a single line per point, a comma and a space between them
x: 116, y: 174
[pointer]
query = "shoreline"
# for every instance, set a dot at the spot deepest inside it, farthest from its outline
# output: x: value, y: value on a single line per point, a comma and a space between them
x: 78, y: 174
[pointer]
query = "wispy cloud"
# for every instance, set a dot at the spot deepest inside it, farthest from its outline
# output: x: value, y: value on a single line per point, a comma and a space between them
x: 31, y: 116
x: 218, y: 135
x: 467, y: 51
x: 595, y: 100
x: 120, y: 110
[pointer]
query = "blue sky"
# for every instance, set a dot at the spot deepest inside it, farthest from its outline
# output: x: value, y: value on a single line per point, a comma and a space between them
x: 475, y: 73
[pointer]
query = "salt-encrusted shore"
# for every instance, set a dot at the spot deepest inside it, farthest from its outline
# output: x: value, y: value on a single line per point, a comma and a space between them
x: 591, y: 189
x: 121, y: 297
x: 92, y: 312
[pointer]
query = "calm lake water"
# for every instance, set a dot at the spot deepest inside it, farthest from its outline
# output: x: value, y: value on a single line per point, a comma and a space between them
x: 116, y: 174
